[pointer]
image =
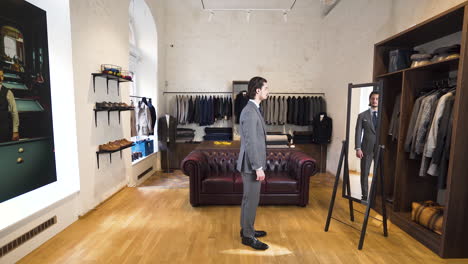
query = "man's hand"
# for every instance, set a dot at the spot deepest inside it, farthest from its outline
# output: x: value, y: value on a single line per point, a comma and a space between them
x: 15, y: 136
x: 260, y: 175
x: 359, y: 153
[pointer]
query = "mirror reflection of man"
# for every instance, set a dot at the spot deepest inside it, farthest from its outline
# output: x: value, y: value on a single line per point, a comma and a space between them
x: 365, y: 139
x: 9, y: 119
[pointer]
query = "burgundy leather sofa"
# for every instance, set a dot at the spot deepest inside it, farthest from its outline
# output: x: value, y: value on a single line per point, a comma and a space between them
x: 214, y: 179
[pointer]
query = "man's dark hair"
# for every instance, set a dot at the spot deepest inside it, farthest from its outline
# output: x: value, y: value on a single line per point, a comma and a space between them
x: 372, y: 93
x: 254, y: 84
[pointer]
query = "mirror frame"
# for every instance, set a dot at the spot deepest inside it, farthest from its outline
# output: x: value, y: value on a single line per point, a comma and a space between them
x: 377, y: 86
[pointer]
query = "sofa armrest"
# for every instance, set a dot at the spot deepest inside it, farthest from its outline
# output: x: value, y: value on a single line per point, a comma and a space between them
x: 194, y: 164
x: 301, y: 165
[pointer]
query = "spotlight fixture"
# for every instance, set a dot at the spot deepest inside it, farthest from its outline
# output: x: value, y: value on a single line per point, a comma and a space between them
x: 248, y: 16
x: 285, y: 16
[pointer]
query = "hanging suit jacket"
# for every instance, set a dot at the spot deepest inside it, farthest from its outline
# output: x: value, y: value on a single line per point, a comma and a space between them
x: 143, y: 120
x: 322, y: 129
x: 239, y: 103
x: 165, y: 133
x: 412, y: 124
x: 290, y: 112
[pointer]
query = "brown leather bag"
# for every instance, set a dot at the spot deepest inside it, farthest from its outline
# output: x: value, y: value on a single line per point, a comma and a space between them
x: 428, y: 214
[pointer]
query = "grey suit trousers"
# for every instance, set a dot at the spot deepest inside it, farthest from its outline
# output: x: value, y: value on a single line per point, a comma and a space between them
x: 366, y: 162
x: 250, y: 201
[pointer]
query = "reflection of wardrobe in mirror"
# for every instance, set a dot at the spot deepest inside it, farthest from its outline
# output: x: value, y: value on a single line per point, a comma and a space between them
x: 403, y: 185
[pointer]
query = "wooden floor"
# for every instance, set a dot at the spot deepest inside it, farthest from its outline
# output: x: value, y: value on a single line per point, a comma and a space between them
x: 154, y: 225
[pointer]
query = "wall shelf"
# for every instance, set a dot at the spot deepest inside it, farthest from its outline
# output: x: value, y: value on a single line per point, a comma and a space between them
x: 108, y: 114
x: 444, y: 65
x: 110, y: 153
x: 108, y: 77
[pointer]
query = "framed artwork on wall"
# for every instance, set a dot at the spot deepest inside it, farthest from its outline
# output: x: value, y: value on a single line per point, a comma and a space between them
x: 27, y: 159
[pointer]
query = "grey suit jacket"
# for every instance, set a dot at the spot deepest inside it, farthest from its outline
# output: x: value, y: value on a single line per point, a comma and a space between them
x: 365, y: 129
x: 252, y: 155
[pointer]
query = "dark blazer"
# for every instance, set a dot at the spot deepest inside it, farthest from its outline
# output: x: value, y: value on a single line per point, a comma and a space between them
x: 323, y: 104
x: 191, y: 109
x: 322, y: 129
x: 165, y: 133
x: 288, y: 106
x: 305, y: 118
x: 365, y: 135
x: 196, y: 111
x: 252, y: 153
x: 240, y: 102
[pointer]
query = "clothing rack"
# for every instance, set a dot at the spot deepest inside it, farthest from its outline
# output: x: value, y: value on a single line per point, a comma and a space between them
x: 197, y: 92
x: 134, y: 96
x: 300, y: 93
x: 231, y: 93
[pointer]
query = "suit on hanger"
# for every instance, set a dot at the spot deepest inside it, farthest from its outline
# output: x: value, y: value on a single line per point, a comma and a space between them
x: 365, y: 139
x: 167, y: 136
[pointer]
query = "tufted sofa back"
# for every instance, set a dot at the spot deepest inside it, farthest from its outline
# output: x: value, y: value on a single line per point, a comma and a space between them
x: 225, y: 161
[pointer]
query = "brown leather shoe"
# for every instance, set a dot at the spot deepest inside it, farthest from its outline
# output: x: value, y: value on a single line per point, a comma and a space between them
x: 109, y: 147
x: 128, y: 142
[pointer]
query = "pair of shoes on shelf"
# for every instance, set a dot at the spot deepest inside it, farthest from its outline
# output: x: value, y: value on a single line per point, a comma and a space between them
x: 113, y: 106
x: 115, y: 145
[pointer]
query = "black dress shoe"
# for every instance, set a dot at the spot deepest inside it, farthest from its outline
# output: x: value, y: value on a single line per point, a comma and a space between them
x: 254, y: 243
x: 258, y: 233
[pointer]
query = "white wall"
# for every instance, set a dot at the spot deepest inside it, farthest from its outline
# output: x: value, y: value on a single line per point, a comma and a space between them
x: 208, y: 56
x: 146, y: 43
x: 347, y: 37
x: 100, y: 36
x: 407, y: 13
x: 20, y: 214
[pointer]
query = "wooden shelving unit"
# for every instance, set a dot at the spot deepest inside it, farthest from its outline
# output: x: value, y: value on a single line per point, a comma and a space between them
x: 402, y: 183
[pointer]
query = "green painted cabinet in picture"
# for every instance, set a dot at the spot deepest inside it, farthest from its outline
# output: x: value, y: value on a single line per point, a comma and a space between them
x: 26, y: 165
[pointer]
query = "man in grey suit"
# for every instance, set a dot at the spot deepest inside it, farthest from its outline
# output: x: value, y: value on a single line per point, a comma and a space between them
x: 365, y: 138
x: 252, y: 160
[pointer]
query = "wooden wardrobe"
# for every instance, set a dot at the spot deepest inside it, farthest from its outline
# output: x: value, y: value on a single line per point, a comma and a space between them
x: 402, y: 183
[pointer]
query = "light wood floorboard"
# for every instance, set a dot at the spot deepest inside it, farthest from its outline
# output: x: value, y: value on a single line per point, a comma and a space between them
x: 153, y: 225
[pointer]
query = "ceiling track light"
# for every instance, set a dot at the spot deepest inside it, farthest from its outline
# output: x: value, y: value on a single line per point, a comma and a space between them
x: 285, y: 16
x: 248, y: 16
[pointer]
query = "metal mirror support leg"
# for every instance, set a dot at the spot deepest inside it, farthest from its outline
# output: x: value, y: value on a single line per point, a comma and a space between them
x: 348, y: 184
x: 335, y: 186
x: 379, y: 178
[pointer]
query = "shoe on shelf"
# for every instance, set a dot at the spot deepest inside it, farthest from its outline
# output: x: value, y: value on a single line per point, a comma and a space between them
x: 103, y: 106
x: 109, y: 147
x: 258, y: 233
x: 254, y: 243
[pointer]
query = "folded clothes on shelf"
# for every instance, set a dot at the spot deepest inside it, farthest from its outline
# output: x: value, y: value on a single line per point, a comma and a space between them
x: 216, y: 130
x: 444, y: 53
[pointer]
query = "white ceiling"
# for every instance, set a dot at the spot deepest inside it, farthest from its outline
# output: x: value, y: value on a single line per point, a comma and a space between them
x: 247, y: 4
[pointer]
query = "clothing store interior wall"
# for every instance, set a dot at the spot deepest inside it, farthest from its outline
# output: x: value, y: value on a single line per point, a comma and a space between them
x: 190, y: 53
